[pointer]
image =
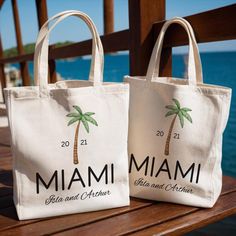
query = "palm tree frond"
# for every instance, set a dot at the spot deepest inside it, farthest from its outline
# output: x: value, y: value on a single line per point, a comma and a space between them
x: 187, y: 116
x: 73, y: 120
x: 181, y: 119
x: 172, y: 107
x: 172, y: 112
x: 90, y: 119
x: 85, y: 123
x: 73, y: 114
x: 176, y: 103
x: 89, y: 113
x: 77, y: 108
x: 186, y: 109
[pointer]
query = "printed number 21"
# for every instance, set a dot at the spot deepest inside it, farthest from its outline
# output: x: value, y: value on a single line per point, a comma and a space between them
x: 83, y: 142
x: 176, y: 136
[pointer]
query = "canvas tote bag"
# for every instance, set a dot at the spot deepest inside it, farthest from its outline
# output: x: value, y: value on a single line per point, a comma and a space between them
x: 69, y: 139
x: 175, y: 131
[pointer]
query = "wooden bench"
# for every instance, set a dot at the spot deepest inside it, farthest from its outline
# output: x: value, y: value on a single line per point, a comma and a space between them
x: 142, y: 217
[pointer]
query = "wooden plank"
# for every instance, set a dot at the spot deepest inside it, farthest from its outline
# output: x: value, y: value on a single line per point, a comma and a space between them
x: 142, y: 14
x: 8, y: 218
x: 5, y: 139
x: 18, y: 58
x: 42, y: 13
x: 48, y: 226
x: 23, y: 65
x: 132, y: 221
x: 214, y: 25
x: 5, y: 163
x: 114, y: 42
x: 224, y: 207
x: 108, y: 16
x: 143, y: 218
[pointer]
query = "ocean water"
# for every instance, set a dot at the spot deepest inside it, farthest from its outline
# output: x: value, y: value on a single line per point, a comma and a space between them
x: 218, y: 68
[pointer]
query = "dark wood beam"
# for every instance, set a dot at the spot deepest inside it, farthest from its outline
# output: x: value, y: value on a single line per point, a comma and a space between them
x: 142, y: 15
x: 23, y: 65
x: 210, y: 26
x: 108, y: 16
x: 42, y: 13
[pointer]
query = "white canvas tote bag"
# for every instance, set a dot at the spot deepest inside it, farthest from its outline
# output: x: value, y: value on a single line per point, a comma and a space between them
x: 175, y: 132
x: 69, y: 139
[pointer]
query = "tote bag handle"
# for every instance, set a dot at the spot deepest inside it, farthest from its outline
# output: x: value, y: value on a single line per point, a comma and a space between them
x: 194, y: 61
x: 41, y: 51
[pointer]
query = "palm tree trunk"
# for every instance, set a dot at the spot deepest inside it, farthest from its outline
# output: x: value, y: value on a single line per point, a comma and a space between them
x: 75, y: 153
x: 167, y: 146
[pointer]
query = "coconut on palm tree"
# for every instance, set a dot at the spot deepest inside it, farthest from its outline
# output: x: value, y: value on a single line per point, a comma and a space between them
x: 182, y: 114
x: 80, y: 117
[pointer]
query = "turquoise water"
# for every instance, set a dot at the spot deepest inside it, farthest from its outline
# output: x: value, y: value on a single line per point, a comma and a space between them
x: 218, y: 68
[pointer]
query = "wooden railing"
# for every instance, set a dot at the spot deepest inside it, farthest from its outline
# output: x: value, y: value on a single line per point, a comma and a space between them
x: 145, y: 21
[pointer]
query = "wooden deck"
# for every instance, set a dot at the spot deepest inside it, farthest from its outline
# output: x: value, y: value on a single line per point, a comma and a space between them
x: 140, y: 218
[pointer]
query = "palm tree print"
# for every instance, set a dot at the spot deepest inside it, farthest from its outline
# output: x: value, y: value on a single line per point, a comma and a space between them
x: 80, y: 117
x: 182, y: 113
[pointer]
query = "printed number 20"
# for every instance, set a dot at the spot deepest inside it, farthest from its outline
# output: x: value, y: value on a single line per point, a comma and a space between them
x: 65, y: 143
x: 160, y: 133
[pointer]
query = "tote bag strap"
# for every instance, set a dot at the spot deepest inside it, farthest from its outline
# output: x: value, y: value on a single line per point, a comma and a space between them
x: 41, y: 51
x: 194, y: 61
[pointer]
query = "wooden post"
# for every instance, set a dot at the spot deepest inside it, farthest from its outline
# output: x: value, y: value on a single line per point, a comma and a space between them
x: 42, y: 14
x: 23, y: 65
x: 108, y: 16
x: 142, y: 15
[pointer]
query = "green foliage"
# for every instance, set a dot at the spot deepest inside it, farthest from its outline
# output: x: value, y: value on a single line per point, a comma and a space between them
x: 181, y: 119
x: 169, y: 113
x: 77, y: 108
x: 73, y: 114
x: 176, y: 103
x: 185, y: 109
x: 187, y: 116
x: 181, y: 112
x: 73, y: 120
x: 85, y: 123
x: 29, y: 48
x: 171, y: 107
x: 91, y: 120
x: 84, y: 118
x: 89, y: 113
